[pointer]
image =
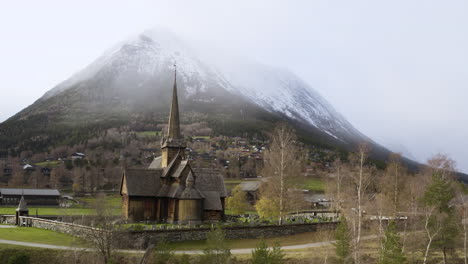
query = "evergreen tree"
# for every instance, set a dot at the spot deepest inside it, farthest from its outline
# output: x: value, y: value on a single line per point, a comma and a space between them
x: 260, y: 254
x: 162, y: 252
x: 19, y: 258
x: 276, y: 254
x: 343, y: 242
x: 391, y: 251
x: 439, y: 194
x: 263, y: 255
x: 217, y: 251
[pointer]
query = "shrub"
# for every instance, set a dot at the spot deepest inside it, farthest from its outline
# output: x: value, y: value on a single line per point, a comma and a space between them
x: 19, y: 258
x: 263, y: 255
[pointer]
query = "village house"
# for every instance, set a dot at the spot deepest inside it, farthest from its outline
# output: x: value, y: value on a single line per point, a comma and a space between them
x: 170, y: 190
x: 78, y: 155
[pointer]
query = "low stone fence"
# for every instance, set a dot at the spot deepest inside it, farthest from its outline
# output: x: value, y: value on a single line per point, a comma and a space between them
x: 61, y: 227
x: 8, y: 219
x: 141, y: 239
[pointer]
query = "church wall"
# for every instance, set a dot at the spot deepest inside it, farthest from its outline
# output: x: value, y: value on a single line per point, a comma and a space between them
x: 190, y: 211
x: 212, y: 215
x: 141, y: 208
x: 125, y: 207
x: 172, y: 210
x: 167, y: 155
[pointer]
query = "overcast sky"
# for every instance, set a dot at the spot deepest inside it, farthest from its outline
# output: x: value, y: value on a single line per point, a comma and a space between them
x: 397, y: 70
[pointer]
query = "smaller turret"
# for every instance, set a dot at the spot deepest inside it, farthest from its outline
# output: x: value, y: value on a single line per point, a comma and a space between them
x: 22, y: 210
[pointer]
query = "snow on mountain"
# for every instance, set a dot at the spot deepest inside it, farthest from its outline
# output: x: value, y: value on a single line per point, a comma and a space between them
x: 154, y: 52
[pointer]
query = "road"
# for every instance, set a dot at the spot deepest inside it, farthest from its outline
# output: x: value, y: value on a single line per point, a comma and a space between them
x: 188, y: 252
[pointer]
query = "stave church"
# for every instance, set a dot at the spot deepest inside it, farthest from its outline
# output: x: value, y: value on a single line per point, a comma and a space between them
x: 170, y: 190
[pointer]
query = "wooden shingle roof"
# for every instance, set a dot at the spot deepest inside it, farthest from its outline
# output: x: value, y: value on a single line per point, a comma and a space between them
x: 141, y: 182
x: 208, y: 180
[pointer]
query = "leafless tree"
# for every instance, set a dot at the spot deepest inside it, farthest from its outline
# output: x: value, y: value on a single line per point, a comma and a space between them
x: 429, y: 215
x: 356, y: 195
x: 104, y: 236
x: 282, y: 162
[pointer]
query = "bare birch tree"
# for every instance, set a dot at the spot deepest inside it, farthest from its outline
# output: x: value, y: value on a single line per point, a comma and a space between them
x: 104, y: 236
x: 282, y: 162
x: 358, y: 181
x: 432, y: 228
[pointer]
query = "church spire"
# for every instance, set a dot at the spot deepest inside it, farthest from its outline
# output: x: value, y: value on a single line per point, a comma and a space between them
x: 173, y: 130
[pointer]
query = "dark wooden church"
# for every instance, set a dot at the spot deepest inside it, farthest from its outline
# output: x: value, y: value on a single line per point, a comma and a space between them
x: 170, y: 190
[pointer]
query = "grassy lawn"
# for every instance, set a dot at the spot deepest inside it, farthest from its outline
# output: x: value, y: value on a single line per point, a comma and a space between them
x: 37, y: 255
x: 314, y: 184
x: 48, y: 164
x: 36, y: 235
x: 201, y: 137
x: 111, y: 201
x: 50, y: 211
x: 232, y: 181
x: 56, y: 211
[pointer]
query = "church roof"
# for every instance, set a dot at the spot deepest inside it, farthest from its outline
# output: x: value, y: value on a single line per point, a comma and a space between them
x: 212, y: 201
x: 173, y: 129
x: 180, y: 168
x: 191, y: 192
x: 141, y: 182
x: 156, y: 163
x: 22, y: 205
x: 172, y: 191
x: 210, y: 180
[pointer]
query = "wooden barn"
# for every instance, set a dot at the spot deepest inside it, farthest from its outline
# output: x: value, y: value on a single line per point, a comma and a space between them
x: 169, y: 190
x: 42, y: 197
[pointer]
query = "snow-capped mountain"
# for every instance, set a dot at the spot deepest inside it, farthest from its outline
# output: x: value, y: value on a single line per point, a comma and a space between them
x: 145, y: 63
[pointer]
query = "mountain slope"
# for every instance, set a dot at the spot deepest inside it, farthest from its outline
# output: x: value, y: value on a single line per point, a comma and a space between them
x: 132, y: 81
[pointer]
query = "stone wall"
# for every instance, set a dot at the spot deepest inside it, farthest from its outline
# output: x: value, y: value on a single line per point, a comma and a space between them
x: 61, y: 227
x: 8, y: 219
x: 141, y: 239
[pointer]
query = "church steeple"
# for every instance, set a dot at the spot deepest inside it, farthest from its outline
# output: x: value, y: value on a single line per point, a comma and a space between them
x: 173, y: 130
x: 173, y: 143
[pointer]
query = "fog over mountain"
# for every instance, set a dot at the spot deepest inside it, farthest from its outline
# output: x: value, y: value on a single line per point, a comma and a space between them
x: 396, y: 70
x: 137, y: 66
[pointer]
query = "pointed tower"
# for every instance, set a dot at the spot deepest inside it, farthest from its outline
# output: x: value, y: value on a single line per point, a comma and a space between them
x: 22, y: 210
x: 173, y: 143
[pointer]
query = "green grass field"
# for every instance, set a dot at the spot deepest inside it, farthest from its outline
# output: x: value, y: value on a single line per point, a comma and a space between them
x: 50, y: 211
x: 36, y: 235
x: 232, y: 181
x: 111, y: 201
x: 201, y: 137
x: 314, y: 184
x: 48, y: 164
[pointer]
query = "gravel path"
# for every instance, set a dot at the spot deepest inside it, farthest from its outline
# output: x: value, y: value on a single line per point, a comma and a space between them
x: 188, y: 252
